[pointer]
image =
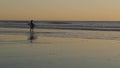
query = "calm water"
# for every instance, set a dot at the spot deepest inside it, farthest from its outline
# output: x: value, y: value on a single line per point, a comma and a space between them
x: 59, y: 49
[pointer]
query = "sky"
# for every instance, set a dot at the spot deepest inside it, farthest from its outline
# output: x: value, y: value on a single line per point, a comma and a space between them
x: 74, y: 10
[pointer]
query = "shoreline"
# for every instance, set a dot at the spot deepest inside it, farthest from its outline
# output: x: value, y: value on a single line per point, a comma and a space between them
x: 90, y: 29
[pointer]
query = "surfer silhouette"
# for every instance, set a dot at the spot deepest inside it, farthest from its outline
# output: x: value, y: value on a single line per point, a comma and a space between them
x: 31, y: 25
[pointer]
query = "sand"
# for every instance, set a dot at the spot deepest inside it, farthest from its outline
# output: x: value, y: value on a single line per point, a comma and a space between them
x: 57, y: 51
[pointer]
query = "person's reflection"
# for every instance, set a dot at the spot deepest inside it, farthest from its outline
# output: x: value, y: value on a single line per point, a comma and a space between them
x: 31, y: 36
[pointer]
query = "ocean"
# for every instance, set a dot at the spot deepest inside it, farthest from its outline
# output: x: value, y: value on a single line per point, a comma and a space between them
x: 60, y: 44
x: 75, y: 29
x: 70, y: 25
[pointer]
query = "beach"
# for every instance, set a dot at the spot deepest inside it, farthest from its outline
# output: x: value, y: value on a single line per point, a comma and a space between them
x: 55, y: 48
x: 59, y: 33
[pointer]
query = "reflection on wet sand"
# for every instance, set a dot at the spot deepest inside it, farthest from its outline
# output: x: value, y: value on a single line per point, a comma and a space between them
x: 61, y: 53
x: 31, y: 37
x: 52, y: 50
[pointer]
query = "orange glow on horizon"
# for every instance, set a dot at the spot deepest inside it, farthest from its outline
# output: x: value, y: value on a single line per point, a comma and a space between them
x: 108, y: 10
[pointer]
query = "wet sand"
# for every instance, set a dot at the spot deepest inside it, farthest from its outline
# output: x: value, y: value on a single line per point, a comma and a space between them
x: 58, y: 52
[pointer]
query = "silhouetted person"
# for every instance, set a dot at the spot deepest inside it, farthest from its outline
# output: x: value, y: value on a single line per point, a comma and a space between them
x: 31, y: 25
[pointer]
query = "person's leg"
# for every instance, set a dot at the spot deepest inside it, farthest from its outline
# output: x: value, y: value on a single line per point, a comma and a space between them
x: 32, y: 30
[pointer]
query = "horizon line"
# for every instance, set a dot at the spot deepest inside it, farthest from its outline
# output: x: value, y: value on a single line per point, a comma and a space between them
x: 54, y: 20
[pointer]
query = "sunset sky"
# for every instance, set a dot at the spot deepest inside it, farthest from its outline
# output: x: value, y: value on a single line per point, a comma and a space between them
x: 60, y: 10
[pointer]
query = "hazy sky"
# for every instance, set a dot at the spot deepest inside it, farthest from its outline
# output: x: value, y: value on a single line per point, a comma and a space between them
x: 60, y: 9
